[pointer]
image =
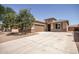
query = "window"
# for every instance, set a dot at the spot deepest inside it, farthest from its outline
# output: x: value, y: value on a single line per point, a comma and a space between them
x: 58, y: 26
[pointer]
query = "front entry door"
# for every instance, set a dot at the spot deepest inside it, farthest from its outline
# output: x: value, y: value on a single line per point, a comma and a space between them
x: 49, y: 27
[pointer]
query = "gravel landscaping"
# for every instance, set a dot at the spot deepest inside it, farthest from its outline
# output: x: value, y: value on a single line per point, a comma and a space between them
x: 7, y: 36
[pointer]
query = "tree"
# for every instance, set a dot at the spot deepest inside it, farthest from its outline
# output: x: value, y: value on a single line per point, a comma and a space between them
x: 9, y: 10
x: 26, y: 20
x: 5, y: 10
x: 2, y: 11
x: 9, y: 21
x: 23, y: 21
x: 9, y: 18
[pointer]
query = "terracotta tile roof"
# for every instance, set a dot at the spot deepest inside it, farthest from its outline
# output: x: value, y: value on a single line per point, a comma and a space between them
x: 39, y: 21
x: 51, y: 18
x: 62, y: 21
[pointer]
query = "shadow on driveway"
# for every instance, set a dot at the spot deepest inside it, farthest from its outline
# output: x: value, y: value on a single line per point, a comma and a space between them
x: 76, y: 39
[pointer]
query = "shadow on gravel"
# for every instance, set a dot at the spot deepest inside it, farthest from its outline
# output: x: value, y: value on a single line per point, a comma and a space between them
x: 76, y: 39
x: 13, y: 34
x: 20, y: 34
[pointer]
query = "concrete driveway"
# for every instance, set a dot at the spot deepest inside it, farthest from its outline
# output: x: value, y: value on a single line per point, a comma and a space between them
x: 43, y: 42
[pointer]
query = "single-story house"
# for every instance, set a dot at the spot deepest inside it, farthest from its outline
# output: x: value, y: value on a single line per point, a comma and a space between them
x: 50, y: 24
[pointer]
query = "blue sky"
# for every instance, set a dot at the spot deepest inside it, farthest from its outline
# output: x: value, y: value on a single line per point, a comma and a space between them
x: 43, y: 11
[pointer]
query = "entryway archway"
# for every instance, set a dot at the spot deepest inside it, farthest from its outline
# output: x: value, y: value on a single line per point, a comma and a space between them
x: 49, y: 27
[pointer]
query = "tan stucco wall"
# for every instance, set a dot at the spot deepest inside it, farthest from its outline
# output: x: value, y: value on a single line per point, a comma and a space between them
x: 63, y: 27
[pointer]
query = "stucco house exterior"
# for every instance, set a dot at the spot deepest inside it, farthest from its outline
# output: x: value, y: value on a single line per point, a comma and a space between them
x: 50, y: 24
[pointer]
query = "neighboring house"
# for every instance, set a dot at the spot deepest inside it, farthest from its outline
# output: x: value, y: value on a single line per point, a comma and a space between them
x: 50, y: 24
x: 73, y: 28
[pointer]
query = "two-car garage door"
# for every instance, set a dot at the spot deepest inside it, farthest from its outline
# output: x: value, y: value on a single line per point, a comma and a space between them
x: 39, y: 28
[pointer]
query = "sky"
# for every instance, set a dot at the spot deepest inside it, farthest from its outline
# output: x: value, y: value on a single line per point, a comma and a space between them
x: 43, y: 11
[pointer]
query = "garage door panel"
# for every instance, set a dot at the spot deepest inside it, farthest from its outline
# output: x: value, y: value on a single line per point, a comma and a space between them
x: 39, y: 28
